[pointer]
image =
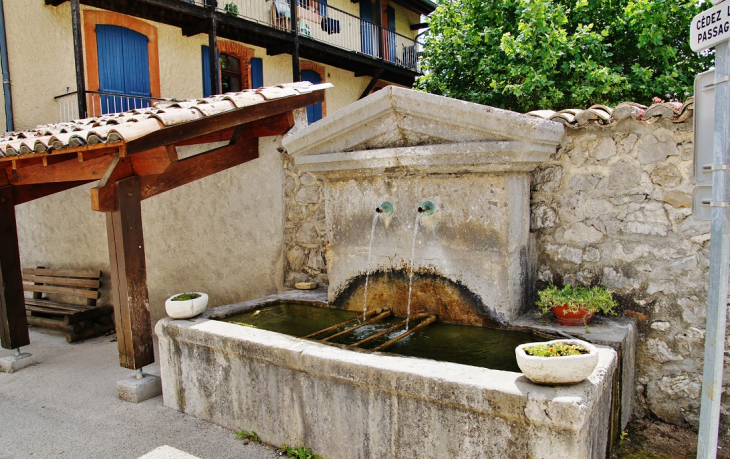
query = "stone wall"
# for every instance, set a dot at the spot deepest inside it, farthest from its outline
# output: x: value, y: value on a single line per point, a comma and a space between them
x: 304, y: 228
x: 613, y: 207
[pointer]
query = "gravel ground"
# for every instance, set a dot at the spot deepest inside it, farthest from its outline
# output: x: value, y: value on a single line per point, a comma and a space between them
x: 66, y: 406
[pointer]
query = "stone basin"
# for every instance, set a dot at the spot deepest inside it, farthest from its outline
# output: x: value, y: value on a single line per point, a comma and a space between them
x: 347, y: 404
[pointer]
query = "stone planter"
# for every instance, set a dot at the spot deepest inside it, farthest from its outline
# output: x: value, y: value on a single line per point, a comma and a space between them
x: 187, y: 308
x: 570, y: 369
x: 564, y: 316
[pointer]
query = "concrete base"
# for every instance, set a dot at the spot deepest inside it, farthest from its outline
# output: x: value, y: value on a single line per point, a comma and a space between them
x: 138, y: 390
x: 13, y: 363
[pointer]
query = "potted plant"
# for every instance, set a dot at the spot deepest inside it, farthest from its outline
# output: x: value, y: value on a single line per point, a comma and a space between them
x: 575, y: 305
x: 186, y: 305
x: 562, y: 361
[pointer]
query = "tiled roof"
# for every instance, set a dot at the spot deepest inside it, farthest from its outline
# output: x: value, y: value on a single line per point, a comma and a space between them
x: 133, y: 124
x: 605, y: 116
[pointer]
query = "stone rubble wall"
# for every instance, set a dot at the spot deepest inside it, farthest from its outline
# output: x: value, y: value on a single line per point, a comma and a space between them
x: 613, y: 207
x: 304, y: 229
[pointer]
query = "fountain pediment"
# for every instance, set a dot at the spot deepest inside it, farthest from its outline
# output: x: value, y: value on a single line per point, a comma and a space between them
x: 402, y: 128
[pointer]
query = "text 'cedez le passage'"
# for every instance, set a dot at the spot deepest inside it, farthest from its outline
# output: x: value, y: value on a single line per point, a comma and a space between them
x: 715, y: 19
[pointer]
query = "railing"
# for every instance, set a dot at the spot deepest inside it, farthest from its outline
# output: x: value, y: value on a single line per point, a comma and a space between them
x: 100, y: 103
x: 326, y: 24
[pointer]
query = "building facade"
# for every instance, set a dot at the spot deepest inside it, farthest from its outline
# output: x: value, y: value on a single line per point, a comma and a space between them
x: 125, y: 54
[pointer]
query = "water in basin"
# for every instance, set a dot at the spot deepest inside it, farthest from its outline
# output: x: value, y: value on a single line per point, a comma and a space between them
x: 468, y: 345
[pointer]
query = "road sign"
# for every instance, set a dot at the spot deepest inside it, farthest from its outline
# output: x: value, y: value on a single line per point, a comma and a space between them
x: 704, y: 126
x: 710, y: 27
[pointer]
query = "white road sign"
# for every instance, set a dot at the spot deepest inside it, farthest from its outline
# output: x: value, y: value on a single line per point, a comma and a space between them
x: 710, y: 27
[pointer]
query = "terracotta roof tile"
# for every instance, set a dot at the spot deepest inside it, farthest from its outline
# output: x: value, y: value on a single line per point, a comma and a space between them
x: 603, y: 115
x: 139, y: 122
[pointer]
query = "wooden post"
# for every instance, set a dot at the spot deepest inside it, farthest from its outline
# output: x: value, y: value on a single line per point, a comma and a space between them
x: 379, y: 27
x: 78, y: 58
x: 13, y: 321
x: 296, y: 73
x: 215, y: 76
x: 129, y: 277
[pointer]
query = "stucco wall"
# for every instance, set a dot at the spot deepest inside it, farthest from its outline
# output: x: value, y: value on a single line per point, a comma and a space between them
x: 41, y: 64
x: 613, y: 207
x: 222, y: 234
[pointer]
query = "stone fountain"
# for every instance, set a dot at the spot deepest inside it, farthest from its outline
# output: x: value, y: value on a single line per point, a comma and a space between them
x: 473, y: 262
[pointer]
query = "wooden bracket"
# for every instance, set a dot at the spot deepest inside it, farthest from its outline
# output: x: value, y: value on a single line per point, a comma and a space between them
x: 196, y: 167
x: 103, y: 195
x: 273, y: 125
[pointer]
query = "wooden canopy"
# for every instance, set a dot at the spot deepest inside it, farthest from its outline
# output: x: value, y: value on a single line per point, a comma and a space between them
x: 134, y: 156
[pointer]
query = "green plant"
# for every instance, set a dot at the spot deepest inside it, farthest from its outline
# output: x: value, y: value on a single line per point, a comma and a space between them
x: 593, y: 299
x: 554, y: 54
x: 231, y: 9
x: 247, y: 436
x: 299, y: 453
x: 555, y: 350
x: 186, y: 296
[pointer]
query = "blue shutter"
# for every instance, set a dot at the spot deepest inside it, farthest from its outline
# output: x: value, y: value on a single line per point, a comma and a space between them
x: 207, y: 92
x: 257, y: 72
x: 366, y: 28
x: 123, y: 68
x: 314, y: 112
x: 323, y: 7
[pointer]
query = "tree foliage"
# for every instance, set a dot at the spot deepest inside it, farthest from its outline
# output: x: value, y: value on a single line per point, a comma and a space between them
x: 528, y: 54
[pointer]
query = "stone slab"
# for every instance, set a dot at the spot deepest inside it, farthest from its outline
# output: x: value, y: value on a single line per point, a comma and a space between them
x: 619, y: 333
x: 138, y: 390
x: 300, y: 392
x: 13, y: 363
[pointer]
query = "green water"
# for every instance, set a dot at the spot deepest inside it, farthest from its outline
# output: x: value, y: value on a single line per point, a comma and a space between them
x: 476, y: 346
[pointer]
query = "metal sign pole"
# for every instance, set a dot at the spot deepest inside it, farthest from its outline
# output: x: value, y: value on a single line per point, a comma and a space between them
x: 719, y: 261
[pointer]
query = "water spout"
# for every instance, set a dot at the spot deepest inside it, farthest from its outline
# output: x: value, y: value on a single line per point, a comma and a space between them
x: 426, y: 208
x: 385, y: 208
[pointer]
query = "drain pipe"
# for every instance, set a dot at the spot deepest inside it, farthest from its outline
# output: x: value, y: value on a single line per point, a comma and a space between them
x: 9, y: 125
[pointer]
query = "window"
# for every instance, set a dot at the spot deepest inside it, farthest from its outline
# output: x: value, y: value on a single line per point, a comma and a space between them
x: 230, y: 73
x: 238, y: 70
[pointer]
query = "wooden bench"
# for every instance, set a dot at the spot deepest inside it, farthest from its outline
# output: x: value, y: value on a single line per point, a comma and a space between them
x: 79, y: 321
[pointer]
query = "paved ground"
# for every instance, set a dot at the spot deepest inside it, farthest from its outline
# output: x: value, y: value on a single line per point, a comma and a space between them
x: 66, y: 406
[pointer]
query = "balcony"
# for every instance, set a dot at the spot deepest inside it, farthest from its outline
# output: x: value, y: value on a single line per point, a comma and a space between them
x: 325, y: 34
x: 326, y: 24
x: 100, y: 103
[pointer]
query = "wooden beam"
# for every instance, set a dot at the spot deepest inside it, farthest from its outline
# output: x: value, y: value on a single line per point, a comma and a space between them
x: 196, y: 167
x: 286, y: 48
x: 26, y: 193
x: 67, y: 171
x: 13, y: 321
x: 273, y: 125
x: 103, y: 195
x: 192, y: 129
x: 129, y: 277
x: 196, y: 28
x: 419, y: 26
x: 152, y: 162
x: 55, y: 2
x: 220, y: 136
